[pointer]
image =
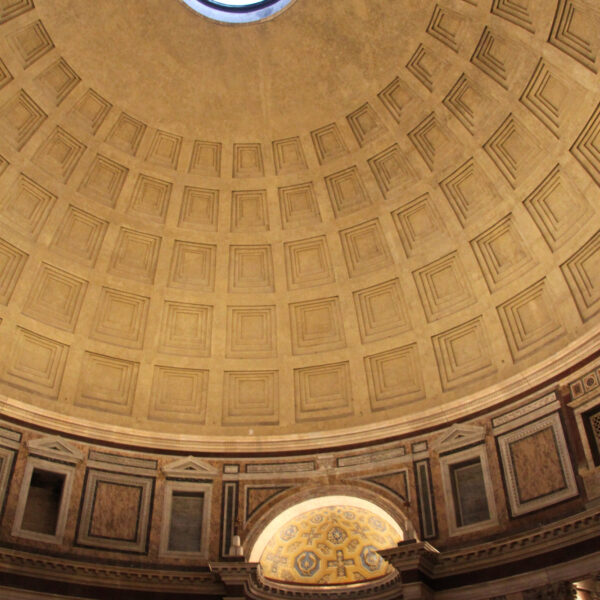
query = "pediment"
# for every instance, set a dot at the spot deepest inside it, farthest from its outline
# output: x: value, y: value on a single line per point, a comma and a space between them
x: 189, y: 467
x: 55, y: 447
x: 460, y: 435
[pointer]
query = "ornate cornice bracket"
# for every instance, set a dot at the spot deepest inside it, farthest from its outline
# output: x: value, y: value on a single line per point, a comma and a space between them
x: 412, y: 555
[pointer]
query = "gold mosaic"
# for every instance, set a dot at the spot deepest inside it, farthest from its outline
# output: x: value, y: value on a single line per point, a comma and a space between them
x: 329, y: 545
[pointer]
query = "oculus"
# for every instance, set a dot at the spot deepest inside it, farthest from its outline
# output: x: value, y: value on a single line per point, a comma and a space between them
x: 238, y: 11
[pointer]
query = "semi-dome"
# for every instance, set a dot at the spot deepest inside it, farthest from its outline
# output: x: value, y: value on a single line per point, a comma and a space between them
x: 330, y: 545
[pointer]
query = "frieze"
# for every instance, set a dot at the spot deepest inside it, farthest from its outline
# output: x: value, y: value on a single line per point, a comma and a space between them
x: 526, y: 409
x: 580, y: 527
x: 294, y: 467
x: 46, y: 567
x: 371, y: 457
x: 384, y: 588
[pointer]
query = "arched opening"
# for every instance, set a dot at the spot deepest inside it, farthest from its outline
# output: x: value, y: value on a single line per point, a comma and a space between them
x: 329, y: 540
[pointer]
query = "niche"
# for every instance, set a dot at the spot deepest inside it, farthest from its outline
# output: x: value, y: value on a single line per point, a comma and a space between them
x: 468, y: 490
x: 185, y: 533
x: 185, y: 519
x: 43, y: 501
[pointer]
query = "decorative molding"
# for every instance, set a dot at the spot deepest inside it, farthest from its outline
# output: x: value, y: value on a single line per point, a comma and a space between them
x: 189, y: 489
x: 51, y: 465
x: 426, y: 66
x: 27, y: 206
x: 426, y: 499
x: 248, y: 160
x: 121, y: 463
x: 100, y: 512
x: 20, y: 118
x: 281, y: 467
x: 59, y: 154
x: 164, y: 150
x: 458, y: 436
x: 537, y: 466
x: 573, y: 32
x: 583, y: 279
x: 563, y: 358
x: 446, y: 26
x: 514, y: 150
x: 15, y: 9
x: 366, y: 124
x: 367, y: 458
x: 206, y: 158
x: 58, y: 80
x: 90, y: 111
x: 468, y: 458
x: 517, y: 12
x: 329, y: 143
x: 298, y: 206
x: 229, y: 514
x: 7, y: 461
x: 31, y: 42
x: 178, y: 395
x: 257, y: 496
x: 55, y: 447
x: 323, y: 392
x: 126, y: 134
x: 530, y: 411
x: 394, y: 377
x: 104, y: 180
x: 347, y: 192
x: 289, y: 156
x: 396, y: 482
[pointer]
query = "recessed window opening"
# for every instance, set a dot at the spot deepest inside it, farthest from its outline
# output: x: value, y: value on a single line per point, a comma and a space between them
x: 43, y: 502
x: 469, y: 493
x: 185, y: 534
x: 186, y: 519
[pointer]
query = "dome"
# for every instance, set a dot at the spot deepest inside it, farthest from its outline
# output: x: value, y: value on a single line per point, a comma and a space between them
x: 273, y: 269
x: 254, y: 235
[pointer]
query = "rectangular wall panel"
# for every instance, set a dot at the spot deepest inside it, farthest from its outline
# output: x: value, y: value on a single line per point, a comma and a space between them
x: 427, y: 515
x: 229, y: 516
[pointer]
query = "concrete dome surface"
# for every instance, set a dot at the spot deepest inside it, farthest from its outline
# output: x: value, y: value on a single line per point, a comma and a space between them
x: 355, y: 218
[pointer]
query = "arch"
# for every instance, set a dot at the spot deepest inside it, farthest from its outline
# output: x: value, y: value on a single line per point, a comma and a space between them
x: 281, y: 513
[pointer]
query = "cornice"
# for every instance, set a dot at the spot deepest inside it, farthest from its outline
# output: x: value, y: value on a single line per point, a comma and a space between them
x: 38, y: 566
x: 562, y: 534
x: 385, y: 588
x: 414, y: 556
x: 460, y: 409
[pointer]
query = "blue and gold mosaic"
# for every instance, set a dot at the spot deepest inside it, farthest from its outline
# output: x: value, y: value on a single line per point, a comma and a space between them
x: 329, y: 546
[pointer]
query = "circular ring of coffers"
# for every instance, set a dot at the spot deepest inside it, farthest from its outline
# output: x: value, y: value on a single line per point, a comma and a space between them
x: 237, y: 11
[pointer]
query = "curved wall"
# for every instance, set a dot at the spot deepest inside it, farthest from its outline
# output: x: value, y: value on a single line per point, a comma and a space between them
x: 527, y: 513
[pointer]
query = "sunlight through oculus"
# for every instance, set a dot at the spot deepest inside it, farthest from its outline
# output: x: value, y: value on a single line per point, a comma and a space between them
x: 237, y: 11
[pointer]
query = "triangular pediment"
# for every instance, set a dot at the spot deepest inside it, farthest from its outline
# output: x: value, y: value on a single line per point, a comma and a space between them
x: 190, y: 467
x: 55, y: 447
x: 460, y: 435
